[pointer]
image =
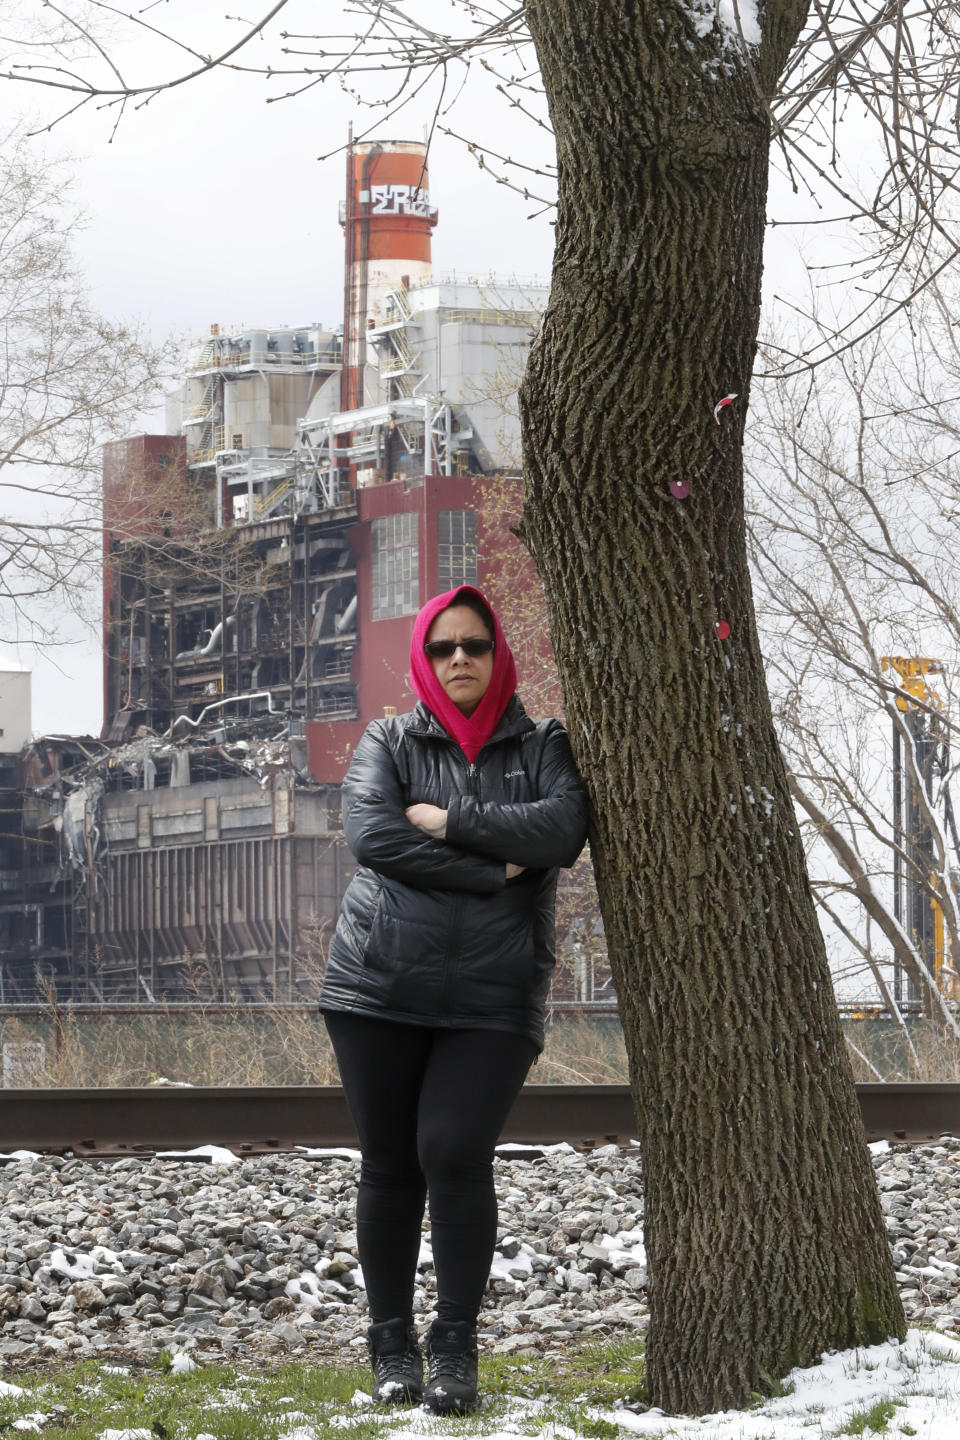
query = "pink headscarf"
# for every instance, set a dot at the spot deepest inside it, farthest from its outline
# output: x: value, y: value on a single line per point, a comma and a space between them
x: 470, y: 731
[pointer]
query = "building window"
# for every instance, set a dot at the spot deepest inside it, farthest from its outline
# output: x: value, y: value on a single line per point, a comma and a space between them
x: 456, y: 549
x: 395, y: 565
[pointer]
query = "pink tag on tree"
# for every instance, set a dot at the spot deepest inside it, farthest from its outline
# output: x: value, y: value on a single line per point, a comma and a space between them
x: 679, y: 489
x: 721, y: 405
x: 722, y: 629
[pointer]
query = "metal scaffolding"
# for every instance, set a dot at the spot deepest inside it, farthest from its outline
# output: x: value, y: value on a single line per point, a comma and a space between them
x: 373, y: 438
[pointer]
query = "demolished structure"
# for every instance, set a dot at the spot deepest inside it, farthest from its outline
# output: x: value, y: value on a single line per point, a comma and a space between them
x: 200, y: 870
x: 264, y: 561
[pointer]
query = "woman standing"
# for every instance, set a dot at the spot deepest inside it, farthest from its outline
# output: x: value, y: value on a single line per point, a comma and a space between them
x: 458, y: 814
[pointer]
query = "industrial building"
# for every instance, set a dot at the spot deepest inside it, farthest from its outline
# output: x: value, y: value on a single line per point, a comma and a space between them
x: 316, y: 485
x: 35, y: 891
x: 264, y: 561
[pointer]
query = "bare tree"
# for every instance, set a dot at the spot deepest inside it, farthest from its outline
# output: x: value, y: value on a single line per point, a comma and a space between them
x: 764, y: 1232
x: 69, y: 379
x: 880, y: 80
x: 754, y: 1160
x: 853, y: 527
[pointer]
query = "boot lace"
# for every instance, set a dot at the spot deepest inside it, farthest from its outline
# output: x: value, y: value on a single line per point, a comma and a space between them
x: 396, y: 1366
x: 450, y: 1366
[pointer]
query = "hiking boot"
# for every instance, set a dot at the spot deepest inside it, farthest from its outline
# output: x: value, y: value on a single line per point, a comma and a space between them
x: 397, y: 1363
x: 452, y: 1357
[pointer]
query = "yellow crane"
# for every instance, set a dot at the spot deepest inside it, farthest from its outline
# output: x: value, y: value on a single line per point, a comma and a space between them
x: 916, y: 910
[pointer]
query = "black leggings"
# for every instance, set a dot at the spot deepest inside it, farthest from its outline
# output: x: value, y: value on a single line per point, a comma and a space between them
x: 428, y: 1106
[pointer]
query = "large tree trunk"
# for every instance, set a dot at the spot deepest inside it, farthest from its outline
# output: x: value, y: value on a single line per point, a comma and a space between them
x: 764, y: 1233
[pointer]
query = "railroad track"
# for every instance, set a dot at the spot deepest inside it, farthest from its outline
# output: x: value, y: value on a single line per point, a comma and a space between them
x: 261, y: 1119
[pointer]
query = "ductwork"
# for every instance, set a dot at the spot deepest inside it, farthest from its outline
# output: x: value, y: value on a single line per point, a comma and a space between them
x: 345, y: 621
x: 212, y: 644
x: 218, y: 705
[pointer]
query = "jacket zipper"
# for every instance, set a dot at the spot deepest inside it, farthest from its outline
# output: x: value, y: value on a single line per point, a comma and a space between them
x: 473, y: 786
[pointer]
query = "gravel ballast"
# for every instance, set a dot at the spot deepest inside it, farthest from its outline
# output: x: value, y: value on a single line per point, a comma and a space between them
x: 257, y: 1260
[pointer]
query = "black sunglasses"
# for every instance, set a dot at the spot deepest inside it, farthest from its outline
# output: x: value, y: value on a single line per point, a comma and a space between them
x: 444, y: 649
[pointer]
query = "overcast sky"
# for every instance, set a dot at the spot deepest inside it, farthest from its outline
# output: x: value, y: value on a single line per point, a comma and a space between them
x: 212, y: 206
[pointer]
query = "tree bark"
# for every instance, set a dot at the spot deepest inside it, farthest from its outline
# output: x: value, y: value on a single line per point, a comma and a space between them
x: 764, y: 1233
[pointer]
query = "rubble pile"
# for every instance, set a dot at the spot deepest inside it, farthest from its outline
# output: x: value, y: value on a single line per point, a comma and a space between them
x: 66, y: 778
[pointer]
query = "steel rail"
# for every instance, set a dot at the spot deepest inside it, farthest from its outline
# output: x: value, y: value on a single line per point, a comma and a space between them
x: 259, y: 1119
x: 560, y: 1010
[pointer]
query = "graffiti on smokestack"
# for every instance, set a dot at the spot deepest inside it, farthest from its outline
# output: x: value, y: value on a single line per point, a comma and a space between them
x: 388, y: 219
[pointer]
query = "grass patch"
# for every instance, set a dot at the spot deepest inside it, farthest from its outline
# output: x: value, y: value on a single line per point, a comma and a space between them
x: 213, y: 1400
x: 596, y: 1374
x: 871, y: 1420
x: 772, y: 1387
x: 80, y: 1402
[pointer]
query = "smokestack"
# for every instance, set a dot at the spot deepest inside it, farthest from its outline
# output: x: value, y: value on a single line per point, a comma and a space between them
x: 387, y: 220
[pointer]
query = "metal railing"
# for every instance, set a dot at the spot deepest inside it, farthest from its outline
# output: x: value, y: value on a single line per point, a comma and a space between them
x: 330, y: 706
x: 237, y: 359
x: 264, y: 504
x: 528, y: 318
x: 205, y: 455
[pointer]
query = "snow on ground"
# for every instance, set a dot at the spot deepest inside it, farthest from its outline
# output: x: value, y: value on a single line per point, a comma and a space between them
x: 216, y: 1154
x: 921, y: 1378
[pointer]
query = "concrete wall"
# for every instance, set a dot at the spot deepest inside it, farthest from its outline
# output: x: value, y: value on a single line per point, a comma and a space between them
x: 473, y: 341
x: 212, y: 810
x: 264, y: 409
x: 15, y: 713
x: 228, y: 875
x: 482, y: 369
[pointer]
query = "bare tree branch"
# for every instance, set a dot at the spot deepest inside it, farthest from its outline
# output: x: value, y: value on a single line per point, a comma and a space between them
x: 69, y: 379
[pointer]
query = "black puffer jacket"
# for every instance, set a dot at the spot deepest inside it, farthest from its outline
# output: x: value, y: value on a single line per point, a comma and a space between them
x: 430, y: 931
